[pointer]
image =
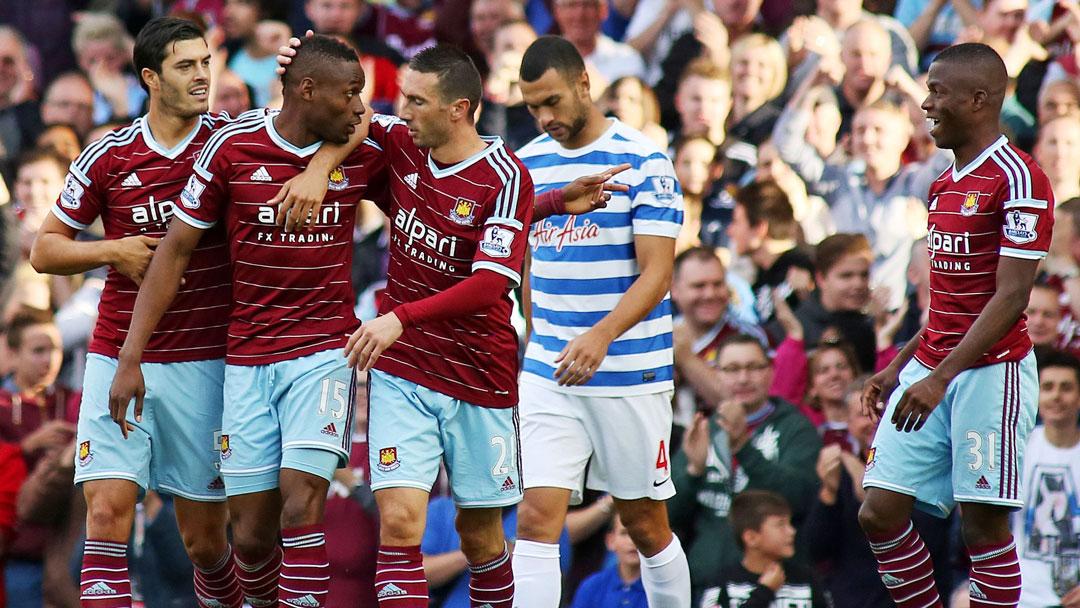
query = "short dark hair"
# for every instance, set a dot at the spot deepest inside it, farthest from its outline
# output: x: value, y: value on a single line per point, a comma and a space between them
x: 314, y: 55
x: 457, y: 74
x: 1057, y: 358
x: 23, y: 319
x: 766, y: 201
x: 742, y: 339
x: 751, y: 508
x: 700, y: 253
x: 551, y: 53
x: 835, y: 247
x: 156, y: 39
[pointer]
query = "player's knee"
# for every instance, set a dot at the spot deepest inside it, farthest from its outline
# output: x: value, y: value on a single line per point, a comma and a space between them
x: 204, y: 544
x: 400, y: 523
x: 481, y: 534
x: 253, y: 548
x: 302, y: 509
x: 875, y: 518
x: 539, y: 522
x: 984, y: 525
x: 650, y: 532
x: 108, y: 517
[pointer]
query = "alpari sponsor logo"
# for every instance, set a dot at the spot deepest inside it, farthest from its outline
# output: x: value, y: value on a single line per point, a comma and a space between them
x: 329, y: 214
x: 413, y: 233
x: 546, y: 234
x: 939, y: 242
x: 153, y: 212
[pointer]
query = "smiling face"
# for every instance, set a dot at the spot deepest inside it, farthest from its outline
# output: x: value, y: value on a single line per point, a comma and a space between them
x: 183, y: 87
x: 879, y: 137
x: 703, y: 104
x: 830, y: 374
x: 700, y: 291
x: 1058, y: 149
x: 1043, y: 315
x: 846, y: 286
x: 692, y: 163
x: 948, y: 105
x: 38, y: 358
x: 1059, y: 395
x: 745, y: 374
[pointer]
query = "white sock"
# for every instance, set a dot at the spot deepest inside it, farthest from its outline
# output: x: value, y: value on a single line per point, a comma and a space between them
x: 537, y: 578
x: 666, y: 577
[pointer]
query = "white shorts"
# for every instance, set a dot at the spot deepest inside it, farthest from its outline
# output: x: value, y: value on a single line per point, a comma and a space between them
x: 621, y: 441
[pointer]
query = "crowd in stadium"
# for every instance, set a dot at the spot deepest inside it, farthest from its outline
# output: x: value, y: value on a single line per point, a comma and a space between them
x: 802, y: 267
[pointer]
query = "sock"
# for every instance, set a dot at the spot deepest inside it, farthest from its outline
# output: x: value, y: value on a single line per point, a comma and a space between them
x: 399, y: 578
x: 995, y: 576
x: 260, y: 581
x: 305, y: 569
x: 666, y: 577
x: 104, y: 580
x: 492, y: 584
x: 218, y: 586
x: 905, y: 568
x: 537, y: 578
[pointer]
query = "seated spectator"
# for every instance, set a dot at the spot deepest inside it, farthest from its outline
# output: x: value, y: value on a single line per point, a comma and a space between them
x: 1056, y: 151
x: 39, y: 416
x: 579, y: 22
x: 1044, y: 315
x: 810, y: 211
x: 700, y: 291
x: 765, y: 576
x: 842, y: 275
x: 103, y: 50
x: 1044, y: 528
x: 694, y: 163
x: 702, y: 101
x: 231, y: 94
x: 19, y: 123
x: 752, y: 441
x: 445, y: 565
x: 618, y: 585
x: 629, y: 100
x: 62, y: 138
x: 248, y: 28
x: 503, y: 110
x: 69, y: 99
x: 873, y: 193
x: 837, y: 546
x: 763, y: 229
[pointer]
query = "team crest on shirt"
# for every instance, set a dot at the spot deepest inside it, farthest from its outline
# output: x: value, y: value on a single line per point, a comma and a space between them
x: 871, y: 458
x: 970, y: 206
x: 464, y: 212
x: 226, y: 451
x: 85, y: 454
x: 388, y: 460
x: 338, y: 181
x: 1020, y: 227
x: 71, y: 195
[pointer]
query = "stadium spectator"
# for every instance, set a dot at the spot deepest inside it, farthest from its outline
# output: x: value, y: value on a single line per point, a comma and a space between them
x: 1045, y: 527
x: 231, y: 94
x: 485, y: 17
x: 69, y: 99
x: 758, y: 76
x: 810, y: 211
x: 62, y: 138
x: 1056, y: 150
x: 19, y: 123
x: 634, y: 103
x: 751, y: 441
x: 702, y: 102
x: 1044, y: 315
x: 694, y: 168
x: 699, y: 289
x: 899, y: 50
x: 253, y: 39
x: 103, y: 50
x: 580, y: 21
x: 503, y: 110
x: 765, y: 576
x: 618, y: 585
x: 837, y: 546
x: 763, y: 229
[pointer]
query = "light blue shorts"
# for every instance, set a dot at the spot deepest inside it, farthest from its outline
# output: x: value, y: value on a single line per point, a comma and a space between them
x: 174, y: 449
x: 411, y: 428
x: 294, y: 414
x: 971, y: 448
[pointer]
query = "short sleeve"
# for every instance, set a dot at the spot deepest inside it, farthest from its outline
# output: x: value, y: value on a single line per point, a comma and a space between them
x: 81, y: 200
x: 504, y: 240
x: 656, y: 206
x: 203, y: 200
x: 1027, y: 214
x: 389, y: 133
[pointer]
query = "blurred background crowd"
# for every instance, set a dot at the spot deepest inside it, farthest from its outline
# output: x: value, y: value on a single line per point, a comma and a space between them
x: 804, y: 159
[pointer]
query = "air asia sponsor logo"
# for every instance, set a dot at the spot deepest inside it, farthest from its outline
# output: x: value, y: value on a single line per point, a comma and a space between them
x: 546, y: 234
x: 939, y: 242
x: 423, y: 242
